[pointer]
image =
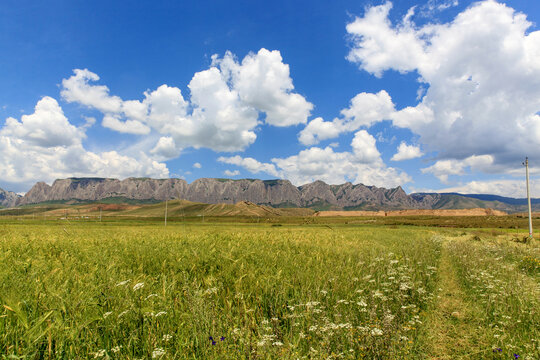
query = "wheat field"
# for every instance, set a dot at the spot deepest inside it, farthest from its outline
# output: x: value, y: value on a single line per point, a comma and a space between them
x: 139, y: 290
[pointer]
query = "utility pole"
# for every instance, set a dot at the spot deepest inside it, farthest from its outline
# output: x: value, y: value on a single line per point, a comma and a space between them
x: 526, y: 163
x: 166, y: 212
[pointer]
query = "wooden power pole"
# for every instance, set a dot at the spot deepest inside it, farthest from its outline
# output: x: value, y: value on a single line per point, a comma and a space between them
x: 526, y: 163
x: 166, y: 212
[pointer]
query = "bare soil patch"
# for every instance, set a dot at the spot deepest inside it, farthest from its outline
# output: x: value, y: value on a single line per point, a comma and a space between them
x: 417, y: 212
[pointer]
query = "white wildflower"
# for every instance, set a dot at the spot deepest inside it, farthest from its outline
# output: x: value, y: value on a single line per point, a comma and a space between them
x: 122, y: 283
x: 100, y: 353
x: 376, y: 332
x: 116, y: 349
x: 361, y: 303
x: 167, y: 337
x: 158, y: 352
x: 388, y: 317
x: 277, y: 343
x: 138, y: 286
x: 404, y: 287
x: 210, y: 291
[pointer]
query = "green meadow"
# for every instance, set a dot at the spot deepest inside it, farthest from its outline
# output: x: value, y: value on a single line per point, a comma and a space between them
x: 192, y: 290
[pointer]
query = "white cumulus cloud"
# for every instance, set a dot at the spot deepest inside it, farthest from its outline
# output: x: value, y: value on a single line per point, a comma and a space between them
x: 78, y: 89
x: 46, y: 127
x: 481, y: 73
x: 263, y: 81
x: 222, y: 111
x: 129, y: 126
x: 444, y: 168
x: 318, y: 130
x: 407, y: 152
x: 231, y: 172
x: 361, y: 165
x: 364, y: 110
x: 165, y: 148
x: 250, y: 164
x: 503, y: 187
x: 44, y: 146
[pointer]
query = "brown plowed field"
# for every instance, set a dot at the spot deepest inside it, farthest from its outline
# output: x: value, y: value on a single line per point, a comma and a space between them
x: 416, y: 212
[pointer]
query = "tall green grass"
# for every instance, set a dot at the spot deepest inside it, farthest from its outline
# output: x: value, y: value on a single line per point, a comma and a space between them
x: 503, y: 278
x: 212, y: 291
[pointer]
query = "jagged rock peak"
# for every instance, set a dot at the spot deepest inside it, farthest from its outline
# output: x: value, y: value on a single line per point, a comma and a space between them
x: 8, y: 198
x: 277, y: 192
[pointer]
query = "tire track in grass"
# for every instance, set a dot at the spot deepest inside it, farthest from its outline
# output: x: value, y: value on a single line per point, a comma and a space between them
x: 453, y: 329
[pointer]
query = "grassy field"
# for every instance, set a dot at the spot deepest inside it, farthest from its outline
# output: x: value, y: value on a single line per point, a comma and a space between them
x: 137, y: 290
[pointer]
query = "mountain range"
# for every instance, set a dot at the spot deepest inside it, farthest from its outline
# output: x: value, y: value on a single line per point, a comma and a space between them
x: 275, y: 193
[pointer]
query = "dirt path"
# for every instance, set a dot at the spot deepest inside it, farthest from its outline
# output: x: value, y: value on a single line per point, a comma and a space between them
x: 453, y: 331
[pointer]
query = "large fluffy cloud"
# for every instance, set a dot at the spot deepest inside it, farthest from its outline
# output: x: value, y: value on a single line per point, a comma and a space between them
x: 483, y: 78
x: 502, y: 187
x: 362, y: 164
x: 222, y: 112
x: 407, y: 152
x: 46, y: 127
x: 364, y: 110
x: 263, y: 81
x: 250, y: 164
x: 443, y: 168
x: 44, y: 146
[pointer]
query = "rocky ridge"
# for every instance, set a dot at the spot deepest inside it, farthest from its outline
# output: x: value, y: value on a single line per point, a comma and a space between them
x: 276, y: 193
x: 8, y: 198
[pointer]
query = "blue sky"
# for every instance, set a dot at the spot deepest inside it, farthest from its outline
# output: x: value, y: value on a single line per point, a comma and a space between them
x: 437, y: 95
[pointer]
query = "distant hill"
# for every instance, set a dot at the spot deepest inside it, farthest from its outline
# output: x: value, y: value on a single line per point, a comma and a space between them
x: 470, y: 201
x: 8, y: 198
x: 175, y: 209
x: 179, y: 208
x: 270, y: 193
x: 502, y: 199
